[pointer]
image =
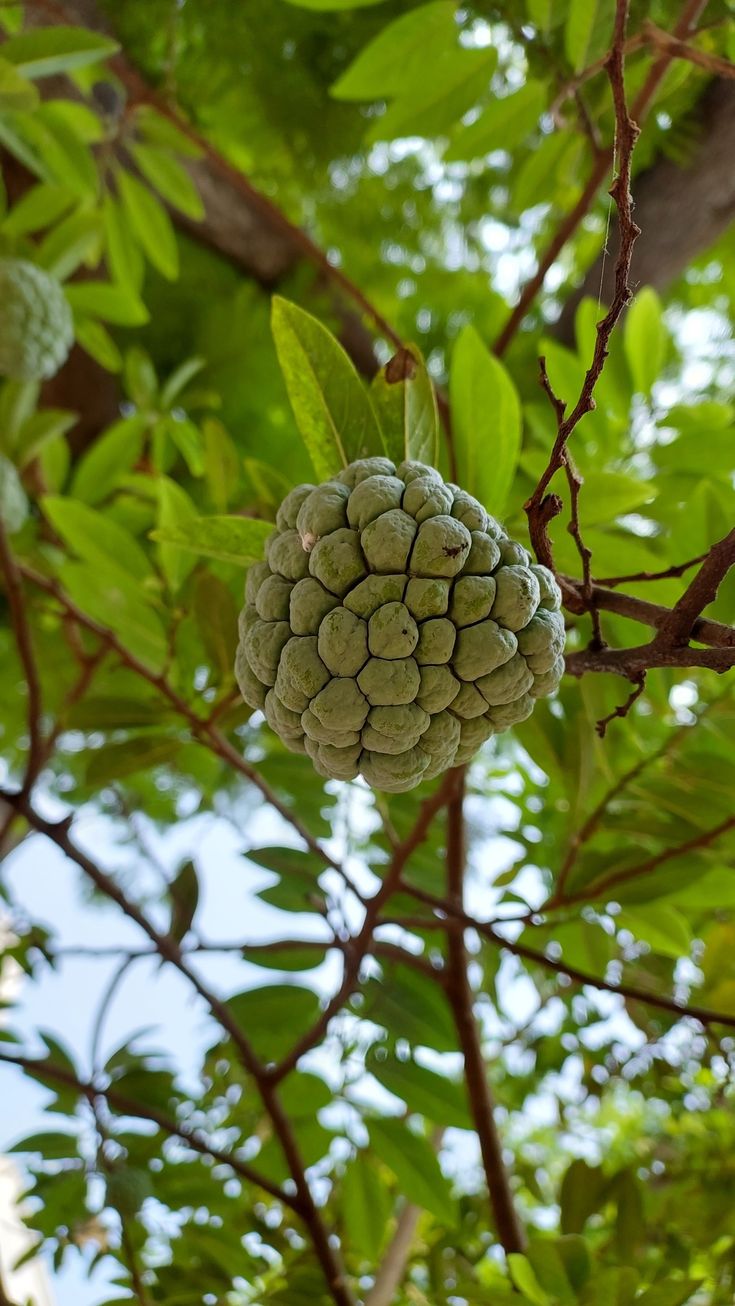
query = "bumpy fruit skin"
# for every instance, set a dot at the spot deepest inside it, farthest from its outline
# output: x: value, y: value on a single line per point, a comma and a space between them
x: 394, y: 627
x: 36, y: 326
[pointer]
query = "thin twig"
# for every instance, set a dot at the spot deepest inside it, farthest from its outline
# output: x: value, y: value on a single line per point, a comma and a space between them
x: 509, y: 1228
x: 668, y: 573
x: 706, y: 1015
x: 622, y: 709
x: 701, y: 590
x: 194, y: 1138
x: 685, y: 26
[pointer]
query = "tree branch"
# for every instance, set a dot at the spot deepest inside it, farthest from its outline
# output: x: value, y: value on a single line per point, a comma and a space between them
x: 677, y: 629
x: 169, y: 950
x: 486, y: 931
x: 459, y: 993
x: 684, y: 28
x: 194, y: 1138
x: 359, y: 946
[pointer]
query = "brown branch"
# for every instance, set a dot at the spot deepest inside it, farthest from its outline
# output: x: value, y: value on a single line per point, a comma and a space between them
x: 201, y: 727
x: 714, y: 633
x: 592, y: 822
x: 459, y: 993
x: 603, y: 887
x: 357, y: 948
x: 24, y: 641
x: 622, y: 709
x: 711, y: 63
x: 669, y: 573
x: 705, y: 1015
x: 575, y: 481
x: 631, y: 662
x: 393, y: 1266
x: 701, y: 590
x: 168, y: 949
x: 626, y: 133
x: 685, y: 26
x: 194, y: 1138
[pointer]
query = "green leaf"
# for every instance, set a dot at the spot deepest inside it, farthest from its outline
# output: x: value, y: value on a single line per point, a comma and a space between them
x: 607, y: 495
x: 179, y: 379
x: 184, y: 895
x: 231, y: 539
x: 98, y: 343
x: 645, y: 340
x: 74, y: 241
x: 100, y: 469
x: 410, y: 1005
x: 15, y: 91
x: 116, y: 604
x: 40, y: 207
x: 176, y: 513
x: 44, y: 51
x: 215, y: 613
x: 548, y: 1267
x: 53, y: 1146
x: 40, y: 429
x: 332, y: 409
x: 502, y: 125
x: 122, y: 251
x: 150, y: 223
x: 365, y: 1206
x: 289, y: 957
x: 405, y: 402
x: 166, y: 175
x: 130, y: 757
x: 273, y: 1018
x: 579, y: 31
x: 415, y: 1166
x: 539, y: 11
x: 438, y: 1098
x: 13, y: 501
x: 581, y: 1192
x: 521, y: 1272
x: 112, y: 303
x: 399, y: 54
x: 435, y: 103
x: 661, y: 926
x: 96, y: 538
x: 486, y: 421
x: 669, y: 1294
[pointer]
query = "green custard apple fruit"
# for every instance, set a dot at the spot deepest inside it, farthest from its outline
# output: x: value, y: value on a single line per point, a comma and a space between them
x: 394, y: 627
x: 36, y: 326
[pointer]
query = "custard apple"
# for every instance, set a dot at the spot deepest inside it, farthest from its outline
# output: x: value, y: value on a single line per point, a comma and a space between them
x: 36, y: 326
x: 394, y: 627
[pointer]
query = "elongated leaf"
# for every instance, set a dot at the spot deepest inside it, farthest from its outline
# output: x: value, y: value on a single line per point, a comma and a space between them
x: 525, y: 1280
x: 274, y: 1017
x: 400, y: 53
x: 166, y: 175
x: 644, y: 339
x: 440, y: 1099
x: 411, y: 1006
x: 365, y: 1206
x: 118, y: 305
x: 96, y: 538
x: 39, y: 208
x: 184, y: 895
x: 151, y: 224
x: 434, y: 105
x: 486, y: 421
x: 405, y: 402
x: 502, y: 125
x: 231, y: 539
x: 112, y: 599
x: 131, y: 756
x: 215, y: 613
x: 15, y: 91
x: 176, y: 513
x: 44, y: 51
x: 332, y: 409
x: 582, y: 16
x: 98, y: 473
x: 415, y: 1166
